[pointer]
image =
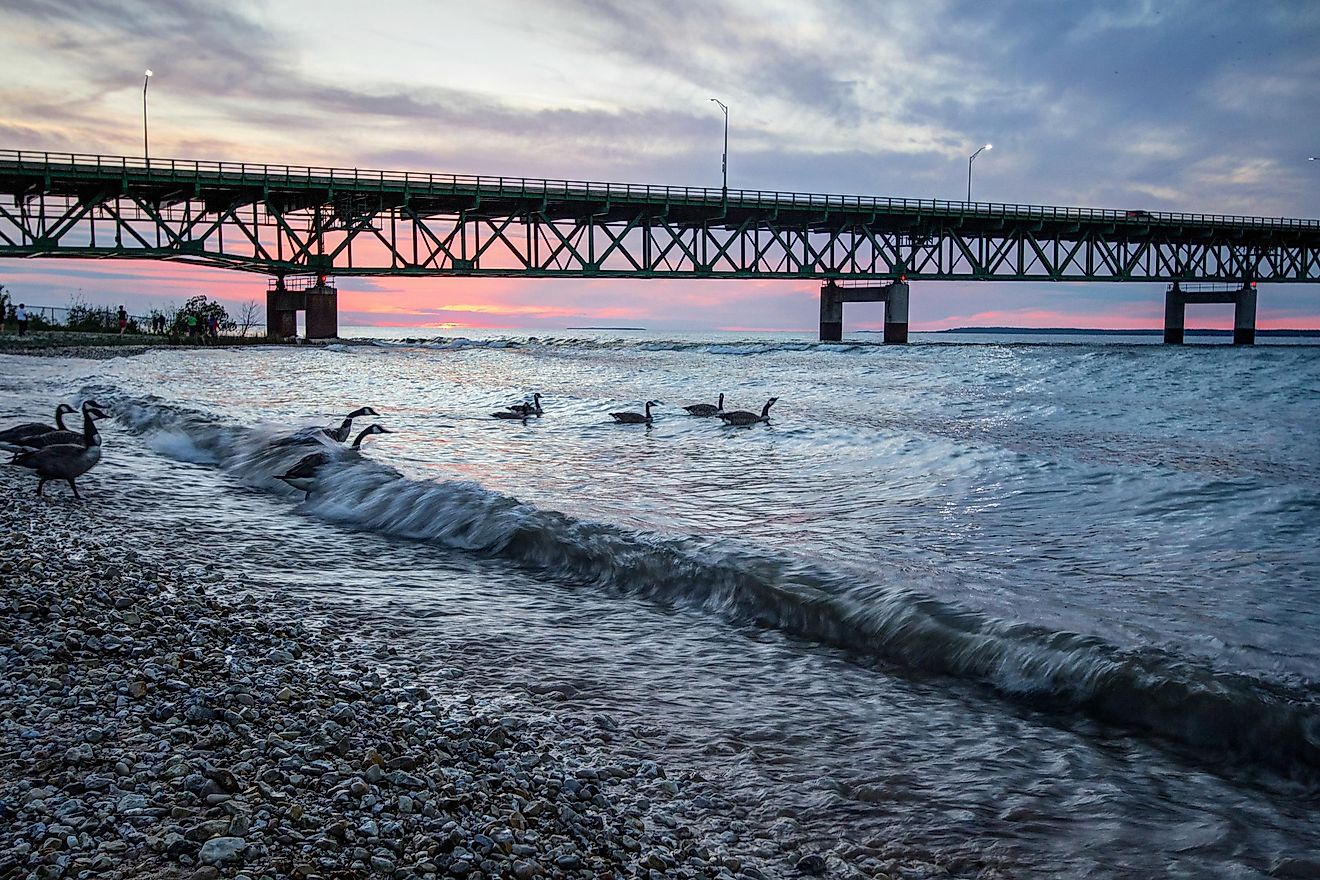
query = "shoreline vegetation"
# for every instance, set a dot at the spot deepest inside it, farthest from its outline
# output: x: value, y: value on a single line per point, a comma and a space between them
x: 175, y: 720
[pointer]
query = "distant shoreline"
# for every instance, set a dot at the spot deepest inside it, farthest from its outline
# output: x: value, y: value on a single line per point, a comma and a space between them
x: 604, y: 328
x: 1082, y: 331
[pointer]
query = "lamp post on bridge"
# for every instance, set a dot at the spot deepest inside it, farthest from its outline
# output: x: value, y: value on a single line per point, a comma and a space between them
x: 970, y: 160
x: 146, y: 152
x: 724, y: 165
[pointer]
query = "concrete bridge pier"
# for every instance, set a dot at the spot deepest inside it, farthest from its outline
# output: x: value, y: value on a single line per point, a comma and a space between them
x: 318, y: 298
x: 893, y: 295
x: 1243, y: 299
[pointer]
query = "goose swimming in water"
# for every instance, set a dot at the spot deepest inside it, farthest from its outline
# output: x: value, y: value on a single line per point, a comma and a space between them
x: 309, y: 436
x: 303, y: 474
x: 525, y: 409
x: 10, y: 436
x: 66, y: 461
x: 742, y: 417
x: 705, y: 409
x: 54, y: 438
x: 635, y: 418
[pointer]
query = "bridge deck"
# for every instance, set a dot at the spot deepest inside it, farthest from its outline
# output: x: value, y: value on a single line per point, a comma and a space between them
x: 283, y: 219
x: 166, y: 180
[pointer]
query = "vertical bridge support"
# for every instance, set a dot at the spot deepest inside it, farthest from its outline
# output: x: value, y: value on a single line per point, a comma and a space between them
x: 894, y: 296
x: 317, y: 297
x: 1243, y: 299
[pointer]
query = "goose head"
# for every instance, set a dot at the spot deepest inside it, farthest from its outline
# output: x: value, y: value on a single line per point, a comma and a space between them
x: 367, y: 432
x: 362, y: 411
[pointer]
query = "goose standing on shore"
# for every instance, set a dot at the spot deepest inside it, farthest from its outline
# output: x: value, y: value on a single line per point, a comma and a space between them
x: 742, y: 418
x: 57, y: 437
x: 303, y: 474
x: 705, y: 410
x: 66, y: 461
x: 10, y: 436
x: 635, y: 418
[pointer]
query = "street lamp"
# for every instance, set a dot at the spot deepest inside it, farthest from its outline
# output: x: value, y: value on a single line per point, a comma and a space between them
x: 725, y: 164
x: 146, y: 153
x: 970, y: 160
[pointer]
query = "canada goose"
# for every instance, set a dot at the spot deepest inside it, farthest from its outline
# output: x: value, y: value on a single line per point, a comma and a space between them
x: 303, y: 474
x: 10, y: 436
x: 55, y: 438
x: 632, y: 418
x: 510, y: 414
x: 705, y: 409
x: 66, y: 461
x: 529, y: 409
x: 308, y: 436
x: 742, y: 417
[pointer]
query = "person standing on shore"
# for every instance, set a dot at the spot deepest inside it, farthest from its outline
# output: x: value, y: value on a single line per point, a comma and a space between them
x: 213, y: 326
x: 123, y: 320
x: 192, y: 325
x: 20, y: 315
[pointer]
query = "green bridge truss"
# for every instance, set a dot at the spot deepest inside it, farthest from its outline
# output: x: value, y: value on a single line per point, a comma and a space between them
x: 282, y: 220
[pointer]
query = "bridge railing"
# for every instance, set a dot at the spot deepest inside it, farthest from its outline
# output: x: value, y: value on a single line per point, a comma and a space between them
x: 422, y: 184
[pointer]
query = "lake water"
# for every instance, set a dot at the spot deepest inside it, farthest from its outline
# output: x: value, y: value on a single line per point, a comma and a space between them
x: 1048, y: 608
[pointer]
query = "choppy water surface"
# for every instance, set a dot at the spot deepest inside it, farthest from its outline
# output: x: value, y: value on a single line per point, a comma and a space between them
x: 1054, y: 609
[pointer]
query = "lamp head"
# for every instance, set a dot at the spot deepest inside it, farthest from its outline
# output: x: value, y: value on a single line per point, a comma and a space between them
x: 989, y: 146
x: 149, y: 72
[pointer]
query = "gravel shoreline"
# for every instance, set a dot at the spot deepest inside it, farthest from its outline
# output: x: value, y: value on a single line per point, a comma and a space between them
x: 101, y: 346
x: 164, y: 720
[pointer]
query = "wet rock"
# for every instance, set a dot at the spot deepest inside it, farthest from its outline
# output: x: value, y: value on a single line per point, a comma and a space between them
x: 222, y: 850
x: 811, y: 864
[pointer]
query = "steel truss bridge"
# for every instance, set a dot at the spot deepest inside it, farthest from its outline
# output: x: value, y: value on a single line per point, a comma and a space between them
x: 281, y: 220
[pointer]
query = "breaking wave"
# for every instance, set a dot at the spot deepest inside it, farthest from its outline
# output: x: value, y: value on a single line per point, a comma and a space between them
x: 1148, y: 690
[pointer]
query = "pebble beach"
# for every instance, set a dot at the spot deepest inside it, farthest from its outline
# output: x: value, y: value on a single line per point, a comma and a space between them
x: 171, y: 721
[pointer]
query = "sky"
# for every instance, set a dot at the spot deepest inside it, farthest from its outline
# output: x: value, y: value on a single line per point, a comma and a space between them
x: 1211, y: 106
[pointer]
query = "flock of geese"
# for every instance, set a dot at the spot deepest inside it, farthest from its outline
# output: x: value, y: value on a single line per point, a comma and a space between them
x: 55, y: 452
x: 737, y: 417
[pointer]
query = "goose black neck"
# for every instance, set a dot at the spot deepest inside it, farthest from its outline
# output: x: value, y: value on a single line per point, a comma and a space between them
x: 357, y: 441
x: 89, y: 429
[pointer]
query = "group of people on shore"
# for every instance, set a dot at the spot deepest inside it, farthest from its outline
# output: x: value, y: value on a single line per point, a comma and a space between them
x: 196, y: 326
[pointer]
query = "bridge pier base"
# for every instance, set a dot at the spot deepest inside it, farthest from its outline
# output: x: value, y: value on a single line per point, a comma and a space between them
x: 320, y: 300
x: 1243, y: 299
x: 893, y: 295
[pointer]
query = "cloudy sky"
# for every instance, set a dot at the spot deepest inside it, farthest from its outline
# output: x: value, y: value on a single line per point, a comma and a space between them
x: 1199, y: 106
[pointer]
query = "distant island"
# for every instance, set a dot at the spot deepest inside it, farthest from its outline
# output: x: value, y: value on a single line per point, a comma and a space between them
x: 604, y: 328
